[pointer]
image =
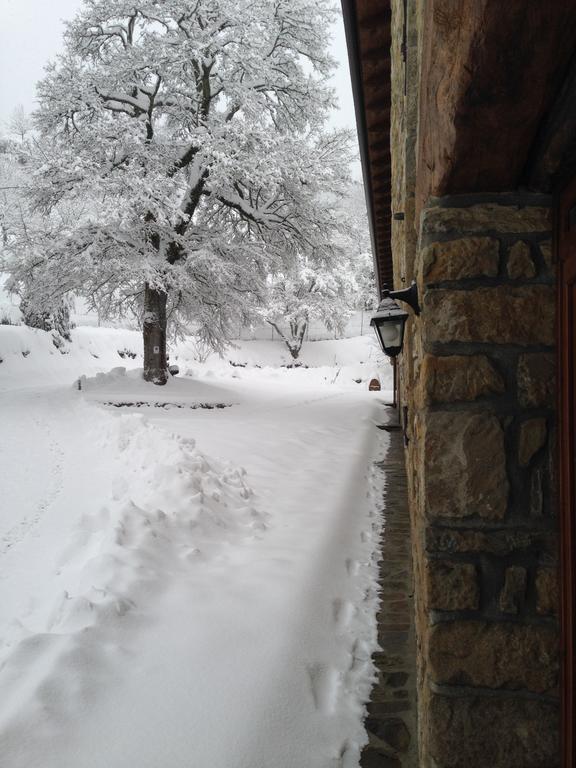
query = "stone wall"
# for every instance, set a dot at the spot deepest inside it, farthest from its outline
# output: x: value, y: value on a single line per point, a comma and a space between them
x: 478, y: 397
x: 480, y: 392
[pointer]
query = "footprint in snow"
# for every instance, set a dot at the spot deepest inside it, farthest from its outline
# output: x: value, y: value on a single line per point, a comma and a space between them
x: 193, y: 555
x: 370, y: 594
x: 324, y: 682
x: 352, y: 567
x: 343, y: 611
x: 349, y: 755
x: 358, y: 667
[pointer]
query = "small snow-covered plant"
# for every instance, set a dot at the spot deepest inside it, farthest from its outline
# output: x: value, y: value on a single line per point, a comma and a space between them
x: 59, y: 343
x: 200, y: 349
x: 125, y: 352
x: 192, y: 133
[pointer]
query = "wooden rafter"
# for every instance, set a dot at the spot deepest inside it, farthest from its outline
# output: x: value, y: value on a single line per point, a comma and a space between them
x: 367, y: 24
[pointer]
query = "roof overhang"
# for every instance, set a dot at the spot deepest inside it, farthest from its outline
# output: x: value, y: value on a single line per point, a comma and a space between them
x: 496, y: 102
x: 491, y: 74
x: 368, y: 36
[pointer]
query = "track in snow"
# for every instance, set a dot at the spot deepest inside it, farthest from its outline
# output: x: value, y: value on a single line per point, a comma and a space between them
x: 40, y: 433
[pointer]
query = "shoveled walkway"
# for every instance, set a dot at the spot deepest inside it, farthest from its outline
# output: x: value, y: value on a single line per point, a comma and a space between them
x: 391, y: 721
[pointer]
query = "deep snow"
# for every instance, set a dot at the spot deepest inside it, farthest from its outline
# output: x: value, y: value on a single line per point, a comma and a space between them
x: 185, y: 586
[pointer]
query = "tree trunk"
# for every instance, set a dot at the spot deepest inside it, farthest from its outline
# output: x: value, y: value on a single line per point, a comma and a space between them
x: 155, y: 364
x: 294, y: 350
x: 297, y: 333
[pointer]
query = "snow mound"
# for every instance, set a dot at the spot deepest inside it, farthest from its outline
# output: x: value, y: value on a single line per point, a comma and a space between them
x: 113, y: 378
x: 122, y: 388
x: 169, y: 510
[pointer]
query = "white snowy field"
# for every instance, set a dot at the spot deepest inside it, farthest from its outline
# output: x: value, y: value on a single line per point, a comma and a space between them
x: 187, y: 573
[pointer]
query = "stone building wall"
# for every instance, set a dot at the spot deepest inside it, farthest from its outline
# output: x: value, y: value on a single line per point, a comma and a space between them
x: 478, y: 394
x: 481, y: 447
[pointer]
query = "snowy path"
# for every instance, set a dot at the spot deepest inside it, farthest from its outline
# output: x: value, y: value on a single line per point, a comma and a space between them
x: 31, y: 460
x: 138, y: 633
x: 51, y: 475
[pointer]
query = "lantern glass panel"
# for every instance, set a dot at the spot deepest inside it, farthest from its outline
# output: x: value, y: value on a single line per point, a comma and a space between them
x: 391, y: 333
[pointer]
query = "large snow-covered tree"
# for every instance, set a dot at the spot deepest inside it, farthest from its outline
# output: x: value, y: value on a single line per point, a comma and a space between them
x: 193, y: 132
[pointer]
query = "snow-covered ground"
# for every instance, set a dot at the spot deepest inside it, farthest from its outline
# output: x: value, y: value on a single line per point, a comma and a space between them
x: 187, y: 573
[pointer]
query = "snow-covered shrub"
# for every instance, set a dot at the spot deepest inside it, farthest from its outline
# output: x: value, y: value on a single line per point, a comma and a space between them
x: 124, y: 353
x: 200, y: 349
x: 57, y: 319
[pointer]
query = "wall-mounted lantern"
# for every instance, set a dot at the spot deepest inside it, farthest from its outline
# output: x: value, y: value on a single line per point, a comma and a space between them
x: 390, y: 319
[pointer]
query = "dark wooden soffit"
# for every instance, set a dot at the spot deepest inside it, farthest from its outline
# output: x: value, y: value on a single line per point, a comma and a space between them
x: 367, y: 24
x: 553, y: 157
x: 490, y: 72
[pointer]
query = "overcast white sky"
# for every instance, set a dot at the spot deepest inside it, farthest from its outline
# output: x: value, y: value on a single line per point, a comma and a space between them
x: 31, y: 34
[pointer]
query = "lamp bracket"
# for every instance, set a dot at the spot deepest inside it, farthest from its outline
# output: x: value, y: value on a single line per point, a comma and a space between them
x: 407, y: 295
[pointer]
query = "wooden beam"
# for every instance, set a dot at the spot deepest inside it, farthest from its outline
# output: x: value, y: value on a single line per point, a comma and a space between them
x: 490, y: 71
x: 367, y: 24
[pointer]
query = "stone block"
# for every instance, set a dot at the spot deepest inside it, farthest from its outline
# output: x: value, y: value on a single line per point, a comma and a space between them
x: 504, y: 542
x: 391, y: 730
x: 499, y: 315
x: 537, y: 380
x: 520, y: 263
x: 514, y: 589
x: 494, y: 655
x: 547, y: 592
x: 533, y: 433
x: 452, y: 586
x: 458, y: 378
x: 457, y: 259
x: 488, y: 732
x: 489, y: 217
x: 464, y: 471
x: 546, y: 251
x: 536, y: 492
x: 373, y: 757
